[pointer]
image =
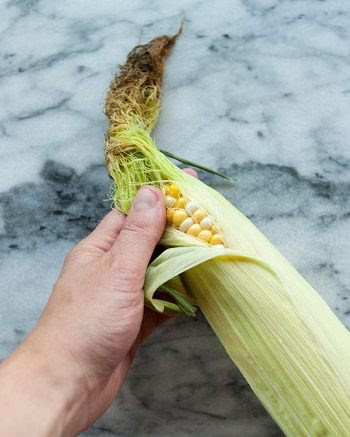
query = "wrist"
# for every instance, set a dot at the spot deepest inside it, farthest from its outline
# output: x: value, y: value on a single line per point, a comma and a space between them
x: 38, y: 386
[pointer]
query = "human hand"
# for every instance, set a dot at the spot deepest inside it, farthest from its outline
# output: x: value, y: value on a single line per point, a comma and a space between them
x: 83, y: 344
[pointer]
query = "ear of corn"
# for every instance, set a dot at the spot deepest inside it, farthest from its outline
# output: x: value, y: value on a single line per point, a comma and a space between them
x: 286, y: 341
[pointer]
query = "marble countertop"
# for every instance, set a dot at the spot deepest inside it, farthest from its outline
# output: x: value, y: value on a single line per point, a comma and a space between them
x: 259, y: 88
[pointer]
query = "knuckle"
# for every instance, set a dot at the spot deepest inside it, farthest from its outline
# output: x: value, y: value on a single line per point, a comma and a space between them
x: 128, y: 280
x: 139, y: 232
x: 132, y: 299
x: 135, y: 226
x: 73, y: 254
x: 77, y: 252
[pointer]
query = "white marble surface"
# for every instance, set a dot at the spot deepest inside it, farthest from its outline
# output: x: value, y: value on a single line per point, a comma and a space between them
x: 259, y: 88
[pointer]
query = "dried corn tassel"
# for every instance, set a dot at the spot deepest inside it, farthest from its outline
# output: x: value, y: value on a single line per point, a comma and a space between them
x: 286, y: 341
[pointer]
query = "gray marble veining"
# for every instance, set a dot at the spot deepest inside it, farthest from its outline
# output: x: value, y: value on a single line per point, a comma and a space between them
x: 259, y: 88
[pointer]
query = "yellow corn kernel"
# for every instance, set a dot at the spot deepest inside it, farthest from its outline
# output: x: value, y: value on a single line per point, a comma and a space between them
x: 173, y: 190
x: 191, y: 207
x: 179, y: 216
x: 180, y: 202
x: 215, y: 239
x: 169, y: 201
x: 198, y: 215
x: 207, y: 222
x: 194, y: 230
x: 205, y: 235
x: 186, y: 224
x: 169, y: 214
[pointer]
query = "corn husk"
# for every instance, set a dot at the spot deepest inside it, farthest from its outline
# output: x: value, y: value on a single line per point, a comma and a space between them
x: 286, y: 341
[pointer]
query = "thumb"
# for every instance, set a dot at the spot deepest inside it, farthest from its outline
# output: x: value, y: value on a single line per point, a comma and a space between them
x: 138, y: 237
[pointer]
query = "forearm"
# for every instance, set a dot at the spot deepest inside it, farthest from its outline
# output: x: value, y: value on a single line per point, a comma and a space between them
x: 38, y: 395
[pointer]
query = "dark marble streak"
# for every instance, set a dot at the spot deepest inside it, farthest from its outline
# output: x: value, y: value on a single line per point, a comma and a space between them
x: 37, y: 113
x: 63, y: 206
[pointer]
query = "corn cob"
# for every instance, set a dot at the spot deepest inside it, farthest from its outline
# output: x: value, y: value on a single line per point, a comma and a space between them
x: 184, y: 215
x: 286, y: 341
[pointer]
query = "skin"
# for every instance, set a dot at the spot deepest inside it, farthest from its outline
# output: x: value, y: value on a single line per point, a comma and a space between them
x: 70, y: 367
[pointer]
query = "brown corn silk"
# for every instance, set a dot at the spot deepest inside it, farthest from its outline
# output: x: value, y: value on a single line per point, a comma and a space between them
x: 286, y: 341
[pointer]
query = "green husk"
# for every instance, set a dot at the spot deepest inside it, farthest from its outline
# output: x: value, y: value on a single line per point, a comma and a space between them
x: 286, y: 341
x: 196, y: 165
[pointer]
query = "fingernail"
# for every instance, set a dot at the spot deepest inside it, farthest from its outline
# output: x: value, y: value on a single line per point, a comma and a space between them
x: 145, y: 199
